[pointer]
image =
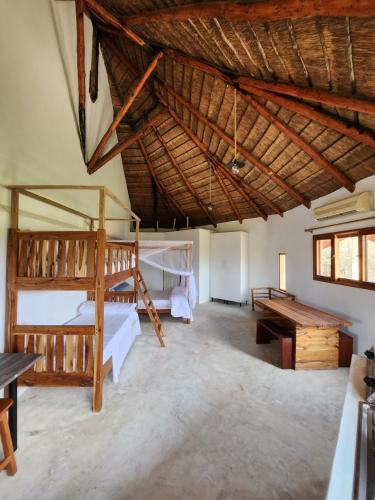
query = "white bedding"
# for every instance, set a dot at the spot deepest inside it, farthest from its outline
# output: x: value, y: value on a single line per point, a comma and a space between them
x: 174, y: 299
x: 120, y: 331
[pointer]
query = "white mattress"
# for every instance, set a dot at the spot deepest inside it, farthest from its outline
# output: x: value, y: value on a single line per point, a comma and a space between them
x: 160, y: 298
x: 120, y: 331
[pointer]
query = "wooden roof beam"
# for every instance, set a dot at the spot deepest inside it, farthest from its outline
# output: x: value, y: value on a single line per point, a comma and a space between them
x: 238, y: 184
x: 158, y: 183
x: 121, y: 114
x: 317, y: 95
x: 125, y: 143
x: 227, y: 195
x: 79, y: 4
x: 263, y: 10
x: 108, y: 18
x: 184, y: 178
x: 304, y: 109
x: 246, y: 154
x: 93, y: 87
x: 341, y: 179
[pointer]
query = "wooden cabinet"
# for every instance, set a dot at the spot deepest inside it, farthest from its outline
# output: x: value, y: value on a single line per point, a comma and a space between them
x: 229, y: 266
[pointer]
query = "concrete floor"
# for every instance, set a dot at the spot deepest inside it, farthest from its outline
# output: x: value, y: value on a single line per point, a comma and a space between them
x: 209, y: 417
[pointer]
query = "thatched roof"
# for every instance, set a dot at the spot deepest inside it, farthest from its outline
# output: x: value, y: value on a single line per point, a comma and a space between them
x: 298, y: 146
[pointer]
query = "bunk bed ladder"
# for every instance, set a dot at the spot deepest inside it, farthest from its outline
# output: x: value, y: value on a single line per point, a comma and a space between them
x: 149, y: 305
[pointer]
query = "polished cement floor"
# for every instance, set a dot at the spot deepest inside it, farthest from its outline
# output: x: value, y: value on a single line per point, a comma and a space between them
x: 211, y: 417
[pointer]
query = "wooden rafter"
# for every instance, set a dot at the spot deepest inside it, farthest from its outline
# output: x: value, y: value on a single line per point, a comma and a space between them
x: 341, y: 179
x: 93, y: 88
x: 227, y: 195
x: 246, y: 154
x: 240, y: 186
x: 107, y: 17
x: 184, y: 178
x: 317, y: 95
x: 125, y: 143
x: 121, y: 114
x: 158, y: 183
x: 263, y: 10
x: 81, y: 74
x: 303, y: 109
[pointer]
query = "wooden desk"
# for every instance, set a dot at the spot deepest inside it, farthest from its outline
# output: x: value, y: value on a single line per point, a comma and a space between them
x: 12, y: 365
x: 315, y: 332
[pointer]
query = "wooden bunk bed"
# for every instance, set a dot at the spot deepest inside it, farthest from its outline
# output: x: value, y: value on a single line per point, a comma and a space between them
x: 70, y: 260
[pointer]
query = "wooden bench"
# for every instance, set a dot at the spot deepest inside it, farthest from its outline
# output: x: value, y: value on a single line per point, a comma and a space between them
x: 265, y: 330
x: 269, y: 293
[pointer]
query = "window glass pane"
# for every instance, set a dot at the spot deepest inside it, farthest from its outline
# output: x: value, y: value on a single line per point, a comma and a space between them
x: 282, y: 271
x: 324, y: 255
x: 369, y: 242
x: 348, y: 259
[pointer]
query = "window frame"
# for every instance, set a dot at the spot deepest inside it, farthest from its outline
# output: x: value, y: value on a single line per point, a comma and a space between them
x: 282, y: 254
x: 335, y: 237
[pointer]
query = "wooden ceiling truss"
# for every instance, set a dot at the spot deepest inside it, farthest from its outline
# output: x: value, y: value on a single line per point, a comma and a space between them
x: 303, y: 140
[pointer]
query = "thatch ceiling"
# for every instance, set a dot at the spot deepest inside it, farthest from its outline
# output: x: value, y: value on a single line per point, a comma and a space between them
x: 296, y: 148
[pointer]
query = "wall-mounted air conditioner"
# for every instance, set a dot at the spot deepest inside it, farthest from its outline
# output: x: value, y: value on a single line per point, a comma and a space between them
x: 362, y: 202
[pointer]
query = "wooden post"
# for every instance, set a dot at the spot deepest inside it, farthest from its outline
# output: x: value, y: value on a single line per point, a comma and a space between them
x: 14, y: 209
x: 93, y: 89
x: 102, y: 209
x: 81, y: 74
x: 99, y: 322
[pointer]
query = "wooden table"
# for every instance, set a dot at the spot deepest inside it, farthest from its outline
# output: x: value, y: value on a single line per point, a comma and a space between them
x: 11, y: 366
x: 315, y: 332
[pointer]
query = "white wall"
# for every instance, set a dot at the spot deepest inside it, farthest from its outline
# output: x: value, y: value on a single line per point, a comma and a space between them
x: 38, y: 130
x: 267, y: 239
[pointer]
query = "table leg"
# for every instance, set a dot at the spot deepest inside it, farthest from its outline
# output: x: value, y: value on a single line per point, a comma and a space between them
x: 13, y: 412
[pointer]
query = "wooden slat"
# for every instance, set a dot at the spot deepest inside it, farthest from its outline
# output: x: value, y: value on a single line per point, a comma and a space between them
x: 90, y: 272
x: 40, y: 349
x: 59, y: 353
x: 118, y: 277
x: 69, y: 353
x: 81, y: 260
x: 71, y: 258
x: 51, y: 262
x: 55, y: 379
x: 56, y: 235
x: 50, y: 353
x: 55, y: 284
x: 79, y: 353
x: 61, y: 259
x: 54, y: 329
x: 22, y: 258
x: 89, y: 356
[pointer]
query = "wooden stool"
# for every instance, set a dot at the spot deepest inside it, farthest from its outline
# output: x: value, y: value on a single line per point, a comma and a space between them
x: 9, y: 462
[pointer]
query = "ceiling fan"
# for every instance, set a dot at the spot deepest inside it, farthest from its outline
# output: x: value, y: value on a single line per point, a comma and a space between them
x: 235, y: 164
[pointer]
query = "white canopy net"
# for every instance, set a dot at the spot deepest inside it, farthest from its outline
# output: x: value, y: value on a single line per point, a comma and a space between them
x: 173, y: 257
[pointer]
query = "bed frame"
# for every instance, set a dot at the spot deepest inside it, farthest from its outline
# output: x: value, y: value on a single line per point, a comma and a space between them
x: 68, y: 260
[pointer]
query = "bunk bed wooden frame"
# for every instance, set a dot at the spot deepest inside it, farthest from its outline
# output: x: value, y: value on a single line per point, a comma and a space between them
x: 69, y: 260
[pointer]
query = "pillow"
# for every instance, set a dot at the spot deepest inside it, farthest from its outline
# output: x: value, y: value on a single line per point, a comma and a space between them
x: 88, y: 307
x: 121, y: 287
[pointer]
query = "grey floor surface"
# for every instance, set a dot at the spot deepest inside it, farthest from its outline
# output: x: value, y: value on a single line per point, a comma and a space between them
x: 211, y: 417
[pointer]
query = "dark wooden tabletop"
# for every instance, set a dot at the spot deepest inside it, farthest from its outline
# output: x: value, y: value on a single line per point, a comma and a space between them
x: 14, y: 364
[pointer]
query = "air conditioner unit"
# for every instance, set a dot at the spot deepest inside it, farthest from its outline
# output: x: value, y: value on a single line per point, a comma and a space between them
x: 362, y: 202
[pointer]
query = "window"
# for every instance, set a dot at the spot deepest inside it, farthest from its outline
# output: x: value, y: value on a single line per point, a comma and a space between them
x: 282, y: 271
x: 347, y: 258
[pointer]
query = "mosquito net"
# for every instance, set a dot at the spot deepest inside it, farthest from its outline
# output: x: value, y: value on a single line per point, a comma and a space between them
x: 173, y: 257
